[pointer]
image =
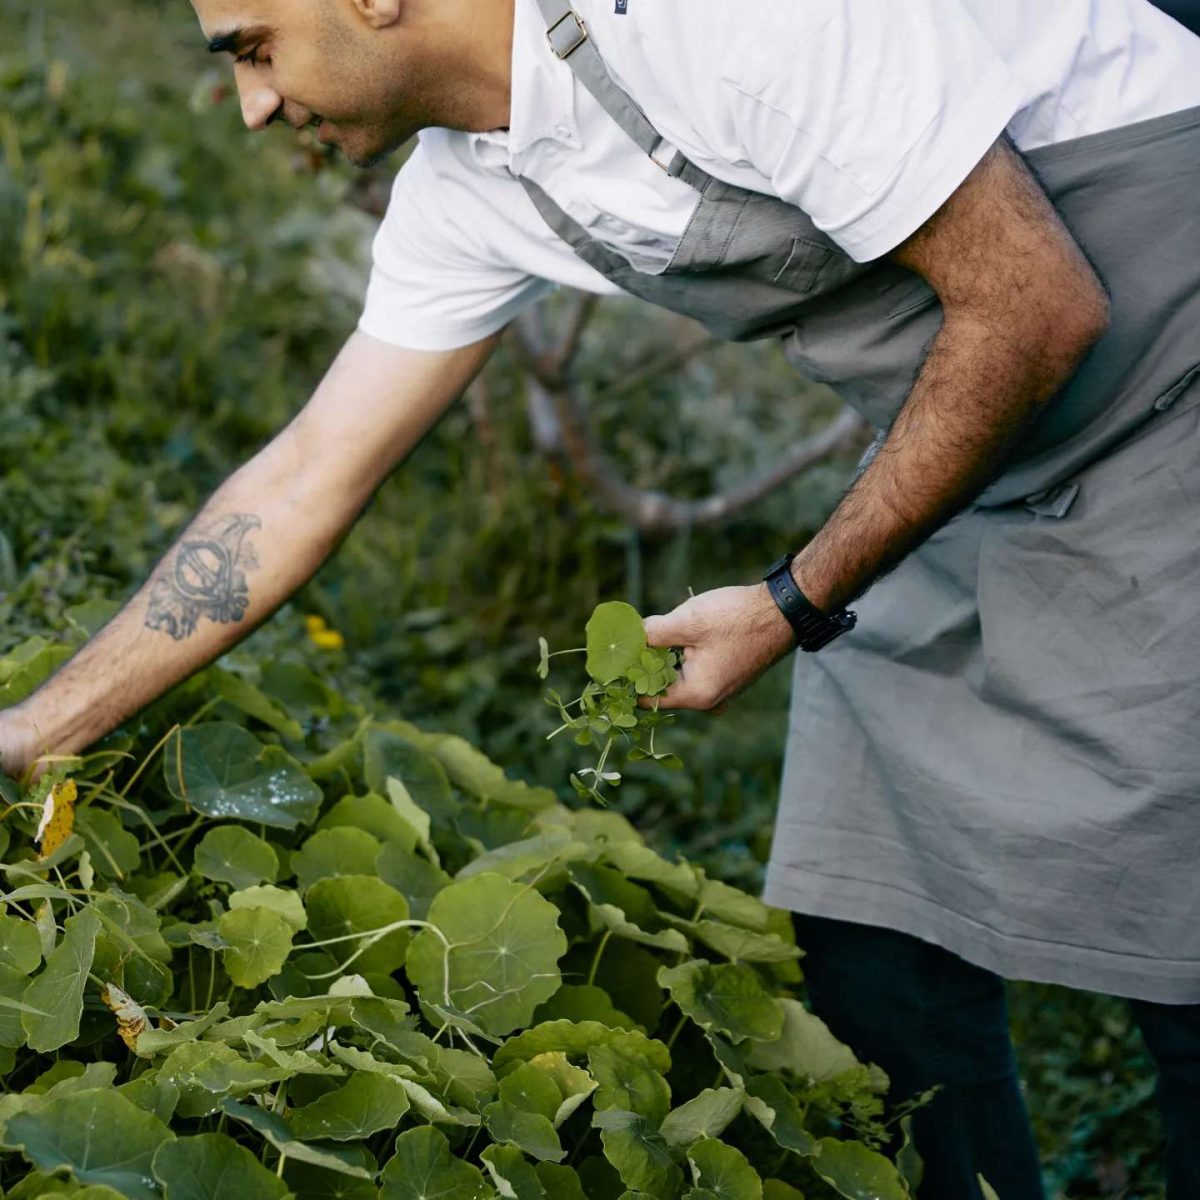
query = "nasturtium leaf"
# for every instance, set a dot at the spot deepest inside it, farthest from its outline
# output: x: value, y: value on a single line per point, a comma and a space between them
x: 514, y: 1177
x: 207, y: 1072
x: 13, y: 985
x: 416, y: 878
x: 733, y: 906
x: 530, y: 1132
x: 387, y: 754
x: 470, y: 770
x: 769, y: 1101
x: 333, y: 852
x: 279, y: 900
x: 99, y: 1136
x: 413, y: 816
x: 359, y: 904
x: 259, y: 942
x: 583, y: 1003
x: 223, y: 771
x: 234, y: 855
x: 531, y: 1090
x: 576, y: 1040
x: 707, y: 1115
x: 574, y: 1084
x: 316, y: 1183
x: 58, y: 991
x: 364, y: 1105
x: 20, y: 946
x: 297, y: 1062
x: 989, y: 1192
x: 616, y: 637
x: 633, y: 1145
x: 722, y: 1172
x: 776, y: 1189
x: 501, y: 962
x: 424, y: 1167
x: 155, y: 1041
x: 372, y: 814
x: 155, y: 1095
x: 276, y: 1130
x: 741, y: 945
x: 728, y: 999
x: 623, y: 908
x: 628, y: 1082
x: 113, y: 850
x: 560, y: 1183
x: 242, y: 694
x: 538, y: 853
x: 806, y: 1048
x: 211, y: 1166
x: 462, y: 1077
x: 856, y: 1172
x: 638, y: 861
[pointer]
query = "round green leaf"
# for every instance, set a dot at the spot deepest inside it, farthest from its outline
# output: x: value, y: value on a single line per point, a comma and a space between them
x: 728, y: 999
x: 633, y: 1145
x: 806, y: 1048
x: 616, y: 637
x: 98, y: 1135
x: 723, y: 1173
x: 424, y: 1166
x: 55, y: 997
x: 317, y: 1183
x: 501, y: 961
x: 707, y: 1115
x: 232, y: 854
x: 207, y: 1072
x: 514, y: 1177
x: 856, y: 1172
x: 114, y: 850
x: 20, y: 945
x: 259, y: 942
x: 211, y: 1166
x: 573, y: 1002
x: 576, y: 1040
x: 283, y: 901
x: 358, y: 904
x: 416, y: 878
x: 627, y: 1081
x: 333, y: 852
x: 531, y: 1133
x: 362, y: 1106
x: 223, y: 771
x: 372, y: 814
x: 12, y: 1003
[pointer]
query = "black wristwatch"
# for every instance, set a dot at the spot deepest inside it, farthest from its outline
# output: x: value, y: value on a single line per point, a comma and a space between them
x: 814, y: 630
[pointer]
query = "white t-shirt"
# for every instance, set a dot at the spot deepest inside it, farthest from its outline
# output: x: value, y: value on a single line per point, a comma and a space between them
x: 865, y: 114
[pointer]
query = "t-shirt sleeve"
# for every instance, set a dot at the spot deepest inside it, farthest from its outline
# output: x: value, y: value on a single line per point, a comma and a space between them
x: 433, y: 284
x: 869, y: 114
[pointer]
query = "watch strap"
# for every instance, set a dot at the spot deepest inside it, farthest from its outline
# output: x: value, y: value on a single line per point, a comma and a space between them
x: 814, y: 629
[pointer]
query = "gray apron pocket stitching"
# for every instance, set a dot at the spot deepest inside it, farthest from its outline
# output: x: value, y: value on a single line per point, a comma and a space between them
x: 806, y: 278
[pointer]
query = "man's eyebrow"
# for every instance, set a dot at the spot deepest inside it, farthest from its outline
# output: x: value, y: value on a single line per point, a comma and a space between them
x: 234, y: 39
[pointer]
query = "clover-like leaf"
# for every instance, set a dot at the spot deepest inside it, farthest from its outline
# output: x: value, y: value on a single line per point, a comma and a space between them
x: 211, y: 1166
x: 259, y: 941
x: 543, y: 668
x: 234, y: 855
x: 423, y: 1166
x: 497, y: 957
x: 616, y: 637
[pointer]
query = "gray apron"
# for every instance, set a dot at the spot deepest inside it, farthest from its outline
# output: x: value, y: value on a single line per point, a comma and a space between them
x: 1004, y: 758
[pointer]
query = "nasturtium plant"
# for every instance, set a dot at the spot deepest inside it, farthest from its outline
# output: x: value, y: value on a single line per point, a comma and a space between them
x: 623, y: 672
x: 368, y: 965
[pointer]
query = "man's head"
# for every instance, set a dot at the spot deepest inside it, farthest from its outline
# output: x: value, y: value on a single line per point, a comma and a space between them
x: 371, y: 73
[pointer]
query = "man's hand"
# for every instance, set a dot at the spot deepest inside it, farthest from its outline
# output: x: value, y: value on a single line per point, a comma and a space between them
x: 729, y: 638
x: 19, y: 745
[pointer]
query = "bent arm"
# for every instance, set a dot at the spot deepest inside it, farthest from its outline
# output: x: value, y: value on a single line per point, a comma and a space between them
x: 263, y: 533
x: 1022, y: 308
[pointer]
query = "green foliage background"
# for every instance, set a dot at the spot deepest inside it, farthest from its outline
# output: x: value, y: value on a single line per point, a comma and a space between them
x: 170, y: 290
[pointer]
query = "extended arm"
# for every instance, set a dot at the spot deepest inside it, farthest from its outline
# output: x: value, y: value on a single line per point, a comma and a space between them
x: 262, y: 534
x: 1022, y: 308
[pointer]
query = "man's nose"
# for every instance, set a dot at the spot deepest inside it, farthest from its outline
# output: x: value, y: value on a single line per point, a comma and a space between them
x: 259, y: 104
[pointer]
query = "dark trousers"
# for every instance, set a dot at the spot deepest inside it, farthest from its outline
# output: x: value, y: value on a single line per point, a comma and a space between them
x: 927, y: 1017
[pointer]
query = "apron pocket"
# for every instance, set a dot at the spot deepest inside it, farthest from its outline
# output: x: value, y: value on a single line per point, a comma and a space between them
x: 801, y: 272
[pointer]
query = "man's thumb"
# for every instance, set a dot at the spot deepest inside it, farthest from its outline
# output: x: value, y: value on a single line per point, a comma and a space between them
x: 669, y: 630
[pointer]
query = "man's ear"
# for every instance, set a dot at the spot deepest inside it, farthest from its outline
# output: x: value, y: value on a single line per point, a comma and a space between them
x: 379, y: 14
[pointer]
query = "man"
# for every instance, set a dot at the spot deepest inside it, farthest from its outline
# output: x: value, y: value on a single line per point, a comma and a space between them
x: 995, y: 774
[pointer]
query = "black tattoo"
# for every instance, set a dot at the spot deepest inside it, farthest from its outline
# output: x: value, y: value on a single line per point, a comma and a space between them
x: 206, y: 577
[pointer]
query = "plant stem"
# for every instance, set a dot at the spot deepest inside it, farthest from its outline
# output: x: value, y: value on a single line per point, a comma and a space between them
x: 596, y: 958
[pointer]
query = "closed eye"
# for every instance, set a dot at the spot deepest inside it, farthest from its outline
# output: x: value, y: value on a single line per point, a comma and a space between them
x: 252, y: 59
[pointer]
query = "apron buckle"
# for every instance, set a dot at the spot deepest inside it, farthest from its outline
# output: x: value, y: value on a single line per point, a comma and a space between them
x: 564, y: 42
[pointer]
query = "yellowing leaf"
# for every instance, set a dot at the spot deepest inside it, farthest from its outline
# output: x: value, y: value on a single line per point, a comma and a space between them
x: 131, y: 1016
x: 58, y: 817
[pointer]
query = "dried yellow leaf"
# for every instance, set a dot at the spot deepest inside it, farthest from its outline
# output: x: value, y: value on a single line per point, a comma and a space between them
x: 131, y: 1016
x: 58, y: 817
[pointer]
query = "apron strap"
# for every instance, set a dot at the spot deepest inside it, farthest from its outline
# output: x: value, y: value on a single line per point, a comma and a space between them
x: 573, y: 44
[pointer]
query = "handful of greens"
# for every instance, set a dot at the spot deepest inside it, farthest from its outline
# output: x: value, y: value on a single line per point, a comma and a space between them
x: 623, y: 669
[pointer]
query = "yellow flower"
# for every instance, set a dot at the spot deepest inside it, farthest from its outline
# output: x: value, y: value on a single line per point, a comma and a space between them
x: 321, y: 635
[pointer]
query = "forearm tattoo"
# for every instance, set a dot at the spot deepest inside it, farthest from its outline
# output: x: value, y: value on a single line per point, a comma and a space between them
x: 205, y: 577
